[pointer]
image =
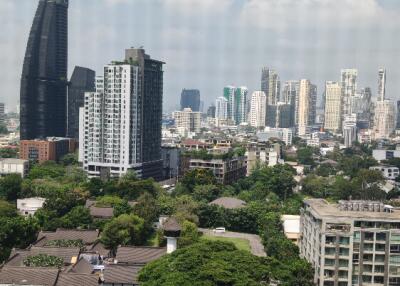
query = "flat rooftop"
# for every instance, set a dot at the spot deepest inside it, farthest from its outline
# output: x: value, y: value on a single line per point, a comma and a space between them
x: 321, y: 208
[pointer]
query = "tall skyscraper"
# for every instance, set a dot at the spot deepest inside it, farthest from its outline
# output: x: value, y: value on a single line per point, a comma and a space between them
x: 384, y: 119
x: 333, y: 103
x: 381, y: 84
x: 240, y: 105
x: 188, y: 120
x: 306, y: 106
x: 258, y: 105
x: 2, y: 113
x: 398, y: 115
x: 270, y: 85
x: 43, y: 94
x: 190, y: 98
x: 229, y: 94
x: 211, y: 111
x: 290, y: 96
x: 362, y: 106
x: 82, y: 80
x: 349, y: 87
x: 221, y: 108
x: 120, y: 125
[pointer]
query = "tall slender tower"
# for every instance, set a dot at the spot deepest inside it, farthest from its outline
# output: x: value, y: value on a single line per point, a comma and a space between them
x: 306, y: 106
x: 349, y: 87
x: 333, y: 100
x: 381, y: 84
x: 43, y: 94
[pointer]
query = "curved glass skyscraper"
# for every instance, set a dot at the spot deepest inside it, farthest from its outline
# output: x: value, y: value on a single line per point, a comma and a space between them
x: 44, y: 76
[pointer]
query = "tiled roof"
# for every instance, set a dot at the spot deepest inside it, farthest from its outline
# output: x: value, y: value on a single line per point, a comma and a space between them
x: 66, y: 253
x: 171, y: 224
x: 121, y: 274
x: 139, y: 255
x: 101, y: 212
x: 99, y: 248
x: 81, y: 267
x: 228, y: 203
x: 87, y: 236
x: 28, y: 276
x: 69, y: 279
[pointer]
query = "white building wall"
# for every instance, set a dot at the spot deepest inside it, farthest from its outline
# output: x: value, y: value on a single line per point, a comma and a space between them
x: 258, y: 109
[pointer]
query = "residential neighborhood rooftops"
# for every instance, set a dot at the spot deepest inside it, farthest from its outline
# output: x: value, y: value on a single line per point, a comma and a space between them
x: 121, y: 274
x: 139, y: 255
x: 28, y: 276
x: 228, y: 203
x: 87, y: 236
x: 69, y: 279
x: 68, y: 254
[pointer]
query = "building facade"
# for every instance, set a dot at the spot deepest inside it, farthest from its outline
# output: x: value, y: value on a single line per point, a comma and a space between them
x: 221, y: 108
x: 384, y: 119
x: 258, y: 105
x: 349, y: 88
x: 381, y: 84
x: 350, y: 130
x: 240, y: 105
x: 43, y: 95
x: 14, y: 166
x: 190, y: 98
x: 306, y: 106
x: 82, y: 80
x: 351, y: 243
x: 333, y: 103
x: 49, y: 149
x: 188, y: 120
x: 120, y: 124
x: 270, y: 85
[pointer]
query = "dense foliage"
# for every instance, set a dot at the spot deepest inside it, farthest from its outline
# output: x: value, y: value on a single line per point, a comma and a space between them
x: 43, y: 260
x: 65, y: 243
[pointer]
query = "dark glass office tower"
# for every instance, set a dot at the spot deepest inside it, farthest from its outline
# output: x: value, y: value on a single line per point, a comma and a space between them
x: 43, y: 94
x: 82, y: 80
x: 151, y: 72
x: 190, y: 98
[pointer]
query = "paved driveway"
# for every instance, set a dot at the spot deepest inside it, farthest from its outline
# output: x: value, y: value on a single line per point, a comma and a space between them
x: 256, y: 245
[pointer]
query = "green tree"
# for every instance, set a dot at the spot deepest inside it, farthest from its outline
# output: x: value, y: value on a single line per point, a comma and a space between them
x: 48, y: 169
x: 196, y: 177
x: 10, y: 187
x: 207, y: 193
x: 189, y: 234
x: 69, y: 159
x: 3, y: 129
x: 7, y: 209
x: 122, y: 208
x: 8, y: 152
x: 207, y: 263
x: 305, y: 156
x: 78, y: 217
x: 147, y: 208
x: 185, y: 208
x: 123, y: 230
x: 16, y: 232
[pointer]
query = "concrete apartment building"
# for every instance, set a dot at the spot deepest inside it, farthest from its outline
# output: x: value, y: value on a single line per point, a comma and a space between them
x: 188, y: 120
x: 49, y: 149
x: 226, y: 171
x: 14, y: 166
x: 351, y: 243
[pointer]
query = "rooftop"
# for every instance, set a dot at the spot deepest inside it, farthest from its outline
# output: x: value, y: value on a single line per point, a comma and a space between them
x: 229, y: 203
x: 28, y: 276
x: 121, y: 274
x: 68, y: 279
x: 87, y: 236
x: 321, y: 208
x: 139, y: 255
x: 68, y: 254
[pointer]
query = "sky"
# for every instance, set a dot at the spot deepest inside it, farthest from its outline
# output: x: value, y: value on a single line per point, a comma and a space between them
x: 208, y: 44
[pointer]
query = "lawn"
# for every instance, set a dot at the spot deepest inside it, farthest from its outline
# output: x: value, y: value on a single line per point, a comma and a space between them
x: 240, y: 243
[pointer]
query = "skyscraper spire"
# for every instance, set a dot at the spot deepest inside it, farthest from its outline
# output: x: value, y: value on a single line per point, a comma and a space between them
x: 381, y: 84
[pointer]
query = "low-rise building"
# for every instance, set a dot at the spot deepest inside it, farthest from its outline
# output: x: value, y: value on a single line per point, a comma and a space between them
x: 50, y: 149
x: 29, y: 206
x: 14, y: 166
x: 382, y: 154
x: 389, y: 172
x: 351, y: 243
x: 227, y: 169
x: 291, y: 227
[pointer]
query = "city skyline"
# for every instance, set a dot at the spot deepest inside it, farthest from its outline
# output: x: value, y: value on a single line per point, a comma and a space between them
x: 225, y: 52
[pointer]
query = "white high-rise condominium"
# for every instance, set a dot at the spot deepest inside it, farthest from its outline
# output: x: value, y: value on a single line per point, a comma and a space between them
x: 221, y: 108
x: 350, y: 129
x: 381, y: 84
x: 109, y: 127
x: 384, y: 119
x: 187, y: 119
x: 349, y: 87
x: 333, y: 95
x: 258, y: 108
x: 306, y: 106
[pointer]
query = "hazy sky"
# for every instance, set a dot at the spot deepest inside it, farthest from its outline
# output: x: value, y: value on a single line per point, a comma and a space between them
x: 207, y: 44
